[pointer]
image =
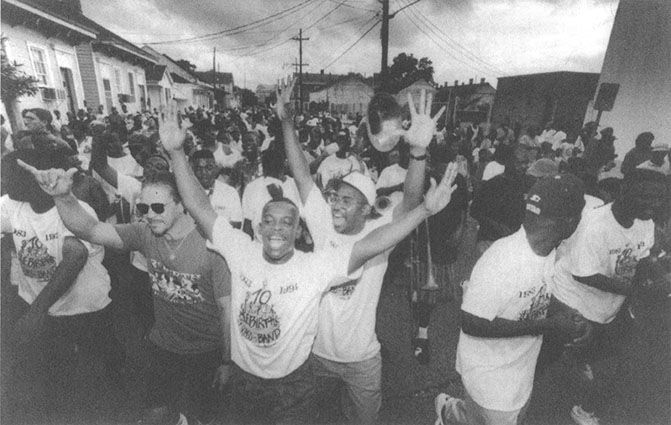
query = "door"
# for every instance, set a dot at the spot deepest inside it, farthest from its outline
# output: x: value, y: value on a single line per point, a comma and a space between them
x: 107, y: 86
x: 68, y: 84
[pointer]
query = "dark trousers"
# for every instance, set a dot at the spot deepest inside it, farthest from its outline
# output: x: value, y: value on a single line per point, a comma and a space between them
x: 181, y: 382
x: 48, y: 382
x: 286, y: 400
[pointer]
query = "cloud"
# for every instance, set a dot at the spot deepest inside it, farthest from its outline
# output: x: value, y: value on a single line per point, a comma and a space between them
x: 464, y: 38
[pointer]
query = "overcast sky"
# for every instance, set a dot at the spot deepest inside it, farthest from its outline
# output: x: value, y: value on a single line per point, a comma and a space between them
x: 464, y: 38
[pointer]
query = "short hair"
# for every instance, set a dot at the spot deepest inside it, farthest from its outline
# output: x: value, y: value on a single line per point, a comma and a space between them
x: 273, y: 161
x: 277, y: 196
x: 164, y: 178
x: 42, y: 114
x: 381, y: 107
x: 20, y: 184
x: 202, y: 154
x: 644, y: 139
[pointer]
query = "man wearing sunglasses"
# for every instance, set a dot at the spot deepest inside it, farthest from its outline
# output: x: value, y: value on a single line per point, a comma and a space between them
x: 188, y: 343
x: 346, y: 347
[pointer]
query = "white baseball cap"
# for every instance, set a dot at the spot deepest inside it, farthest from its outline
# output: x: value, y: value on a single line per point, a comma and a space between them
x: 363, y: 184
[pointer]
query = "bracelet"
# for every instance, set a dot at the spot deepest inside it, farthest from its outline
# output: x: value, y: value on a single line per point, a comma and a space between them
x: 418, y: 158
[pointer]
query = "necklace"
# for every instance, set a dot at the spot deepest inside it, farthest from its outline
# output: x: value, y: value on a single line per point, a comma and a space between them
x: 173, y: 252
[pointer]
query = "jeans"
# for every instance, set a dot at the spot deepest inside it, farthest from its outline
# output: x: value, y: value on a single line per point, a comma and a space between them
x: 362, y: 395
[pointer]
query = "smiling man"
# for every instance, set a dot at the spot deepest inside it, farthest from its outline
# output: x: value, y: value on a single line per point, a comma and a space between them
x: 276, y: 292
x: 346, y: 347
x: 188, y: 342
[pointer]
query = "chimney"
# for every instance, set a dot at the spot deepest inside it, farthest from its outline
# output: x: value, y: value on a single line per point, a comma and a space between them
x: 470, y: 81
x: 482, y: 81
x: 456, y: 83
x: 321, y: 72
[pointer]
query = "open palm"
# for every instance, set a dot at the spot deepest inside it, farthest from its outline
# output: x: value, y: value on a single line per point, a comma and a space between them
x: 422, y: 127
x: 438, y: 196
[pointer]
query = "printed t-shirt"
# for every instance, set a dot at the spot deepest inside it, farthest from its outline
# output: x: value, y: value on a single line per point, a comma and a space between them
x: 226, y: 201
x: 600, y: 245
x: 509, y: 282
x: 38, y: 239
x: 274, y: 306
x: 346, y: 327
x: 186, y: 280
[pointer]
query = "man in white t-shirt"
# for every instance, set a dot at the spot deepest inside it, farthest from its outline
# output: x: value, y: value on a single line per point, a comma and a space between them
x: 504, y: 310
x: 62, y: 281
x: 224, y: 198
x: 341, y: 162
x: 346, y: 346
x: 276, y: 292
x: 600, y: 264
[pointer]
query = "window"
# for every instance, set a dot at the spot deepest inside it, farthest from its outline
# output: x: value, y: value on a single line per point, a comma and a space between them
x: 131, y: 84
x: 167, y: 95
x: 39, y: 58
x: 117, y: 80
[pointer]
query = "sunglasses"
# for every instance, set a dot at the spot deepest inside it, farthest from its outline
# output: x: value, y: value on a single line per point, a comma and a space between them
x: 144, y: 208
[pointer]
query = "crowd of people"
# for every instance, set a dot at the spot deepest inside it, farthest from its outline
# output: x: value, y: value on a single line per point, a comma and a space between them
x: 246, y: 251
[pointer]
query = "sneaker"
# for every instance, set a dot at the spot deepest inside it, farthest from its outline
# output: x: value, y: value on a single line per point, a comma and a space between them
x: 581, y: 417
x: 420, y: 347
x: 441, y: 402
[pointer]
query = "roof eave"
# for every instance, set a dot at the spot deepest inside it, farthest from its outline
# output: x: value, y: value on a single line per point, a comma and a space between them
x: 47, y: 15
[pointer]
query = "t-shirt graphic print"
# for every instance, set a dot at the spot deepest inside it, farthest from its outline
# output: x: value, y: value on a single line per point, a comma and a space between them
x: 257, y: 320
x: 173, y: 286
x: 35, y: 260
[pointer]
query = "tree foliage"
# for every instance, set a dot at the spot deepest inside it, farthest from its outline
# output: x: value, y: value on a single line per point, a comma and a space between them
x: 407, y: 69
x: 15, y: 83
x: 186, y: 65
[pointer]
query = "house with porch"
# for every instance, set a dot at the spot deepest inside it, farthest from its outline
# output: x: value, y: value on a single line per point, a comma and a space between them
x: 43, y: 42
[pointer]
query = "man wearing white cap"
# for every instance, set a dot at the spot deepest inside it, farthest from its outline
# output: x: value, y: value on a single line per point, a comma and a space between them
x: 346, y: 346
x: 660, y: 159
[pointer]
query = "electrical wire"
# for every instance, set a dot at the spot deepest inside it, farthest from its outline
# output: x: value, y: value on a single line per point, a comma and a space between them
x: 447, y: 39
x: 239, y: 29
x: 355, y: 43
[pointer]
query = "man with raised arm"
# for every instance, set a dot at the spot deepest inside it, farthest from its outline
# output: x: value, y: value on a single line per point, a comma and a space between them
x: 346, y: 346
x: 188, y: 343
x: 276, y: 290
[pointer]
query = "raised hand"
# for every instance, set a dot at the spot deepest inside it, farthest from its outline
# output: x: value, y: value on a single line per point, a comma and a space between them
x: 423, y: 127
x: 172, y: 133
x: 55, y: 181
x: 282, y: 106
x: 438, y: 196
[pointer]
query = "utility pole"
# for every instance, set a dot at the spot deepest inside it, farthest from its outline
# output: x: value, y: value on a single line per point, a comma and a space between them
x: 214, y: 76
x: 300, y: 40
x: 384, y: 37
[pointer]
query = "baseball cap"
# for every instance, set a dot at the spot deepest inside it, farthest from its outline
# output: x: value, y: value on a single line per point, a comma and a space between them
x: 543, y: 167
x: 660, y: 147
x: 561, y: 195
x: 363, y: 184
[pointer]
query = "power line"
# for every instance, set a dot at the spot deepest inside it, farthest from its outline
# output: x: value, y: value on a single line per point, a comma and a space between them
x: 355, y: 43
x: 432, y: 38
x: 354, y: 7
x: 447, y: 39
x: 236, y: 30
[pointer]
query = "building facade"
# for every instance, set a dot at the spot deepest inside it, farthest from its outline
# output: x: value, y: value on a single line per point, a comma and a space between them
x: 349, y: 95
x: 533, y: 100
x: 43, y: 43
